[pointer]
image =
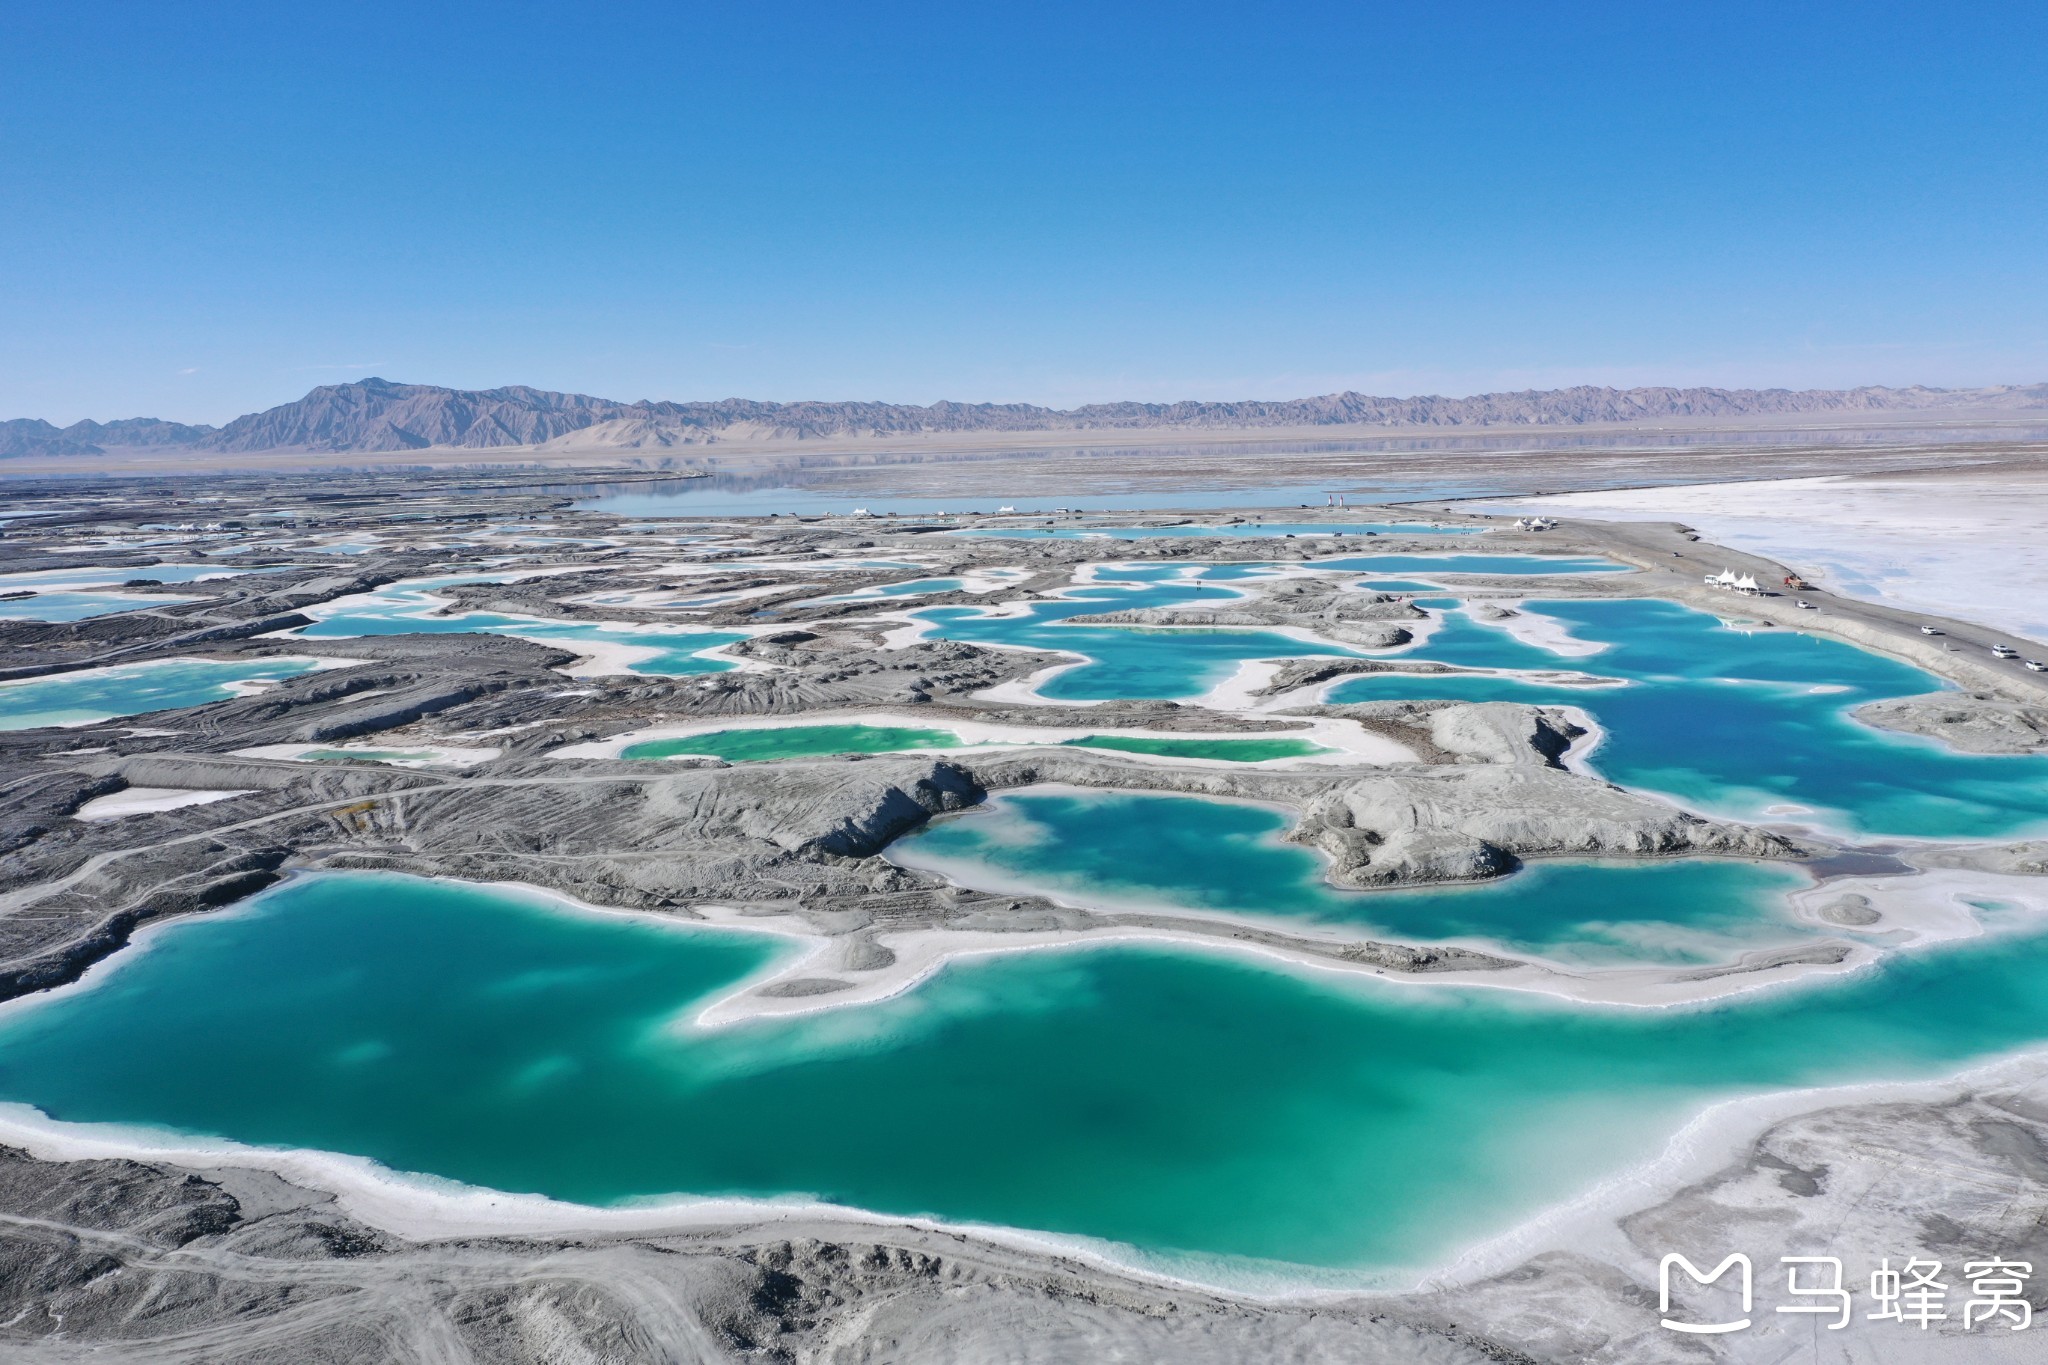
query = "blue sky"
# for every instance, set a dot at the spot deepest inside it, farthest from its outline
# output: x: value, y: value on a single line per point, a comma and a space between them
x: 211, y: 207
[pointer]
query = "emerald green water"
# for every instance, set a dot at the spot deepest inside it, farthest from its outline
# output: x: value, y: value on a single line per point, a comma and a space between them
x: 795, y: 741
x: 1229, y: 750
x: 767, y: 743
x: 96, y: 694
x: 1123, y: 849
x: 1186, y: 1104
x: 1737, y: 721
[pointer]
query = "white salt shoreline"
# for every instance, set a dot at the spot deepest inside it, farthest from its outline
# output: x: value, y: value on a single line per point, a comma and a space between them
x: 418, y: 755
x: 1349, y: 742
x: 422, y: 1207
x: 1531, y: 627
x: 1719, y: 1135
x: 148, y: 800
x: 597, y: 657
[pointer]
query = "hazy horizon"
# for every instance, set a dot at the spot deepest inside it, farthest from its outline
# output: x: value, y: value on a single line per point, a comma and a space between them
x: 1894, y: 413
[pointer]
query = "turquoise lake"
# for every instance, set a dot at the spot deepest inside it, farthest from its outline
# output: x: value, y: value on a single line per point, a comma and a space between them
x: 1199, y: 1108
x: 96, y: 694
x: 409, y: 608
x: 1124, y: 661
x: 1738, y: 721
x: 1150, y: 850
x: 1180, y: 661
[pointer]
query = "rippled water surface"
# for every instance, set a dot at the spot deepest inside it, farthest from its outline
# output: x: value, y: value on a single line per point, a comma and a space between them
x: 1185, y: 1103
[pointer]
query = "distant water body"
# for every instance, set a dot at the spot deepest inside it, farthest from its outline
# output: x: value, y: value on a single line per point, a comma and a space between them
x: 1190, y: 1105
x: 410, y: 608
x: 708, y: 498
x: 92, y: 576
x: 81, y: 606
x: 1208, y: 473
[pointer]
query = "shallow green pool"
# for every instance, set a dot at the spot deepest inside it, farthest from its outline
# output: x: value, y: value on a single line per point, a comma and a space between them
x: 1252, y: 750
x: 795, y: 741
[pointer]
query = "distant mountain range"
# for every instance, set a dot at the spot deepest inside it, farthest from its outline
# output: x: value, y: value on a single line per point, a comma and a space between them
x: 376, y: 415
x: 32, y: 436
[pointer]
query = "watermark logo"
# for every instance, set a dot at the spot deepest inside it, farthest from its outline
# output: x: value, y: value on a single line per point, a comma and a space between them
x: 1737, y: 1261
x: 1912, y: 1295
x: 1825, y: 1285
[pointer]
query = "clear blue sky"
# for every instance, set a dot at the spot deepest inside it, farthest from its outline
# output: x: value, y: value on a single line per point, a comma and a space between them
x: 207, y: 208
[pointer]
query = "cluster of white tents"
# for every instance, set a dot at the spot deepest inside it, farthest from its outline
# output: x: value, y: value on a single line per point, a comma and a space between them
x: 1535, y: 524
x: 1746, y: 584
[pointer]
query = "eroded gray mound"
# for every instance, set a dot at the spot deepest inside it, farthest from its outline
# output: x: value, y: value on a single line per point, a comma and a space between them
x: 1973, y: 723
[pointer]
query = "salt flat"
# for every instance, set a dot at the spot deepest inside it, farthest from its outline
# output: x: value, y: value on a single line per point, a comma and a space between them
x: 1964, y: 545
